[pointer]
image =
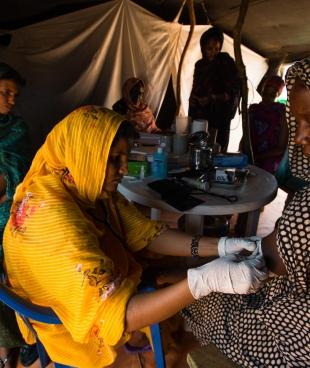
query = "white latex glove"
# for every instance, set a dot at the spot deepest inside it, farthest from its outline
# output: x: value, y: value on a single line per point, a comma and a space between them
x: 228, y: 246
x: 258, y: 251
x: 232, y: 275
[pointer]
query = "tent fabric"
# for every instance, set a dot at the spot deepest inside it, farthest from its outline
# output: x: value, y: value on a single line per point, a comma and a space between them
x: 84, y: 57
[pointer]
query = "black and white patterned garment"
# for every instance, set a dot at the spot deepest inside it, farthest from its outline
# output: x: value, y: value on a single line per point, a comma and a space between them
x: 272, y: 327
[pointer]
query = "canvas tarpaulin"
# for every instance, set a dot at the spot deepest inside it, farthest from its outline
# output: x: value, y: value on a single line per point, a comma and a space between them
x: 84, y: 57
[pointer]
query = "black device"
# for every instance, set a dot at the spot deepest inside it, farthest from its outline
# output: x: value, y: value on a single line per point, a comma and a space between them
x: 175, y: 194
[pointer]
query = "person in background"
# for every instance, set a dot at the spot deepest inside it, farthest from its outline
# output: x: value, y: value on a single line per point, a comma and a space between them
x: 133, y: 106
x: 271, y: 328
x: 73, y: 243
x: 215, y: 92
x: 14, y: 162
x: 268, y: 128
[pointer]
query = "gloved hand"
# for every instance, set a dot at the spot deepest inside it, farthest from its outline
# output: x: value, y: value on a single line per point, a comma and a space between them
x: 228, y: 246
x: 258, y: 251
x: 232, y: 275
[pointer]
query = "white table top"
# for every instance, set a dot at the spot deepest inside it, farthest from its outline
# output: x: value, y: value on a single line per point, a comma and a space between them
x: 259, y: 189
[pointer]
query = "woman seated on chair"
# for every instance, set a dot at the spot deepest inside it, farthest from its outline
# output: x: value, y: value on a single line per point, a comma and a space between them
x: 14, y: 162
x: 271, y: 327
x: 73, y: 243
x: 133, y: 106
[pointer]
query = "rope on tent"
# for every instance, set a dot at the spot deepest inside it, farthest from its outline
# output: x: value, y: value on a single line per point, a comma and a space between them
x: 246, y: 140
x: 192, y: 18
x: 177, y: 17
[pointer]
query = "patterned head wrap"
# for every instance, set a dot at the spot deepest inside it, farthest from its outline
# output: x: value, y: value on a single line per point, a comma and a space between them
x: 299, y: 163
x: 138, y: 113
x: 127, y: 87
x: 80, y: 145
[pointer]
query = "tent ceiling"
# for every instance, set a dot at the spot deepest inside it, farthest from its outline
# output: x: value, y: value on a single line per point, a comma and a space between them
x: 273, y: 28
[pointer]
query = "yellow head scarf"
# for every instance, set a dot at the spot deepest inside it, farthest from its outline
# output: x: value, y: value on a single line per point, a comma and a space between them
x: 80, y: 144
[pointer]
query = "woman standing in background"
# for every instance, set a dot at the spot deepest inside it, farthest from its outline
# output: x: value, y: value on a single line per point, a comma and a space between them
x: 216, y: 86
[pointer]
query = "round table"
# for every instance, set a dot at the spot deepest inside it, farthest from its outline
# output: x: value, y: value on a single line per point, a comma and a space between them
x: 259, y: 189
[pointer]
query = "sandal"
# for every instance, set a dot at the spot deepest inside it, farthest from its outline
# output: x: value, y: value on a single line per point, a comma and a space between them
x: 28, y: 355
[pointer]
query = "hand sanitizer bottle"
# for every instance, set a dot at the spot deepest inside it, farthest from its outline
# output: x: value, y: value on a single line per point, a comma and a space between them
x: 159, y: 164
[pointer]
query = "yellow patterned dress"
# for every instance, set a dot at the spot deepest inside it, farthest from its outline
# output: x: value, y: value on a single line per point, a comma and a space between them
x: 70, y: 246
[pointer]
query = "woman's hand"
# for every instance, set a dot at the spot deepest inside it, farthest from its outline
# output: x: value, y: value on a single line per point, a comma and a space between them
x: 228, y: 246
x: 224, y: 97
x: 194, y: 100
x: 231, y: 275
x: 203, y: 100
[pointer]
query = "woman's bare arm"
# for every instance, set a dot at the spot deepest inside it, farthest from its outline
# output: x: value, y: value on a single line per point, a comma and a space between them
x: 177, y: 243
x: 148, y: 308
x: 145, y: 309
x: 271, y: 254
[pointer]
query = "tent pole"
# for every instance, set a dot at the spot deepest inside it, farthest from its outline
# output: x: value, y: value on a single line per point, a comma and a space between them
x: 246, y: 139
x: 190, y: 6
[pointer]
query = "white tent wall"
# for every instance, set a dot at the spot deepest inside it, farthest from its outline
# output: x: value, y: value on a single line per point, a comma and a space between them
x: 84, y: 57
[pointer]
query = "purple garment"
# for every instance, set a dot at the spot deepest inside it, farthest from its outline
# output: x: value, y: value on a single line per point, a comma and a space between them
x: 265, y: 127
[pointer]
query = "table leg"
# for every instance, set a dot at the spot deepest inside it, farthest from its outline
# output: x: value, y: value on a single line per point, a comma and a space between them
x: 155, y: 214
x: 251, y: 224
x: 194, y: 224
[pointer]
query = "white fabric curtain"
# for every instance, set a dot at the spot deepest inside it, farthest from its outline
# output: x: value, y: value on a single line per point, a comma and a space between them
x: 84, y: 58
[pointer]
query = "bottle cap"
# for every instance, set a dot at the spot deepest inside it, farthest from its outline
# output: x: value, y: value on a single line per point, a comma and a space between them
x: 161, y: 147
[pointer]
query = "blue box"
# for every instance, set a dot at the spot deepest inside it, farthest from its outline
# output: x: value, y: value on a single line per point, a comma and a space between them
x: 238, y: 160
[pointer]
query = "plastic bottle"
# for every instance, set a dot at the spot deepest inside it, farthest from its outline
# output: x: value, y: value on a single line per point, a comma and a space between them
x: 142, y: 172
x: 159, y: 164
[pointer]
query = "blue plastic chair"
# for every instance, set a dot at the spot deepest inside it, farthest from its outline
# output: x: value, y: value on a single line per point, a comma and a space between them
x: 29, y: 311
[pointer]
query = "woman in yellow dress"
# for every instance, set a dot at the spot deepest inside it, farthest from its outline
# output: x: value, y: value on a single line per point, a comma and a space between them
x: 72, y: 242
